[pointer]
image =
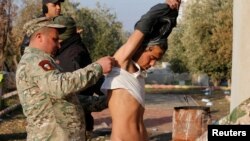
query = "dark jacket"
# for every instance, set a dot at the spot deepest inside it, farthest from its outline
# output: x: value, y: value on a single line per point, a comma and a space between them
x: 74, y: 55
x: 158, y: 22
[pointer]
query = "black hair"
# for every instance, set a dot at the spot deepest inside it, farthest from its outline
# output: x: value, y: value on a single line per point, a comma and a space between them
x: 163, y: 44
x: 45, y: 9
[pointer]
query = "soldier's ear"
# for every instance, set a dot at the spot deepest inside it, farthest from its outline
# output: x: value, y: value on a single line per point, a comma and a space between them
x: 38, y: 35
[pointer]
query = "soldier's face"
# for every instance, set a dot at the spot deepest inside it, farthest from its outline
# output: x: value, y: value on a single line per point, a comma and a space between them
x: 52, y: 41
x: 54, y: 9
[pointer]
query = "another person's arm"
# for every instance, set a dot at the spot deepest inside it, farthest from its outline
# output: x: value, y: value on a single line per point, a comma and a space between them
x: 61, y: 84
x: 144, y: 28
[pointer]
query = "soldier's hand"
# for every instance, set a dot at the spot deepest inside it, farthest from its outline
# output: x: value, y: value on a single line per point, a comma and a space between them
x: 174, y: 4
x: 106, y: 63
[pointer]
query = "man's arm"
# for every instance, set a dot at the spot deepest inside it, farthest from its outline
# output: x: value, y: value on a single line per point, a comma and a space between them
x: 125, y: 53
x: 147, y: 26
x: 60, y: 84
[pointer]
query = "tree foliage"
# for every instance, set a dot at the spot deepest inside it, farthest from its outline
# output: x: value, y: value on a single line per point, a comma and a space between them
x: 7, y: 16
x: 175, y: 54
x: 102, y: 33
x: 205, y: 38
x: 201, y: 42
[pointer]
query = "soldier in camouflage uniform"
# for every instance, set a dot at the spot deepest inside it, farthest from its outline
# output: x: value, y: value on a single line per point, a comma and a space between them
x: 50, y: 9
x: 240, y: 115
x: 48, y: 96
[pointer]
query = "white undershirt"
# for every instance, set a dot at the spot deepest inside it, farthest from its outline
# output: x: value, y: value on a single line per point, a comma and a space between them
x: 133, y: 82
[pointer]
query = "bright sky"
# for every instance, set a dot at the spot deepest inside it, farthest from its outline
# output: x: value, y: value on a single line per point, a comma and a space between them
x: 127, y: 11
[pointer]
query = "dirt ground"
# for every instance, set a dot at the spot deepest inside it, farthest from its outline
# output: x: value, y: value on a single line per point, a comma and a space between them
x: 158, y: 116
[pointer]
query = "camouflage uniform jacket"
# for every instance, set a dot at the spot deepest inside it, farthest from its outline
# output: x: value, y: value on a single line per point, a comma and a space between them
x: 47, y: 96
x: 240, y: 115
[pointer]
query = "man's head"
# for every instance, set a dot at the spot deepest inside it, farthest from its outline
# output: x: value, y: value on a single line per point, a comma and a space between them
x: 44, y: 34
x: 150, y: 52
x: 52, y: 8
x: 156, y: 25
x: 70, y: 24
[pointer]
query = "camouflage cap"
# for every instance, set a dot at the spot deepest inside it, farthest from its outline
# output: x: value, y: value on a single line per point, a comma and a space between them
x: 70, y: 24
x: 52, y: 1
x: 68, y: 21
x: 38, y: 23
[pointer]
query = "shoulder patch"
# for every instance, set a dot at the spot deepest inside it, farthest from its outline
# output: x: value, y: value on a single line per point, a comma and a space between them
x: 46, y: 65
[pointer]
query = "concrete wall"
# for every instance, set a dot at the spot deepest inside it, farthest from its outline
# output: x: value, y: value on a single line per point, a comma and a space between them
x: 241, y: 52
